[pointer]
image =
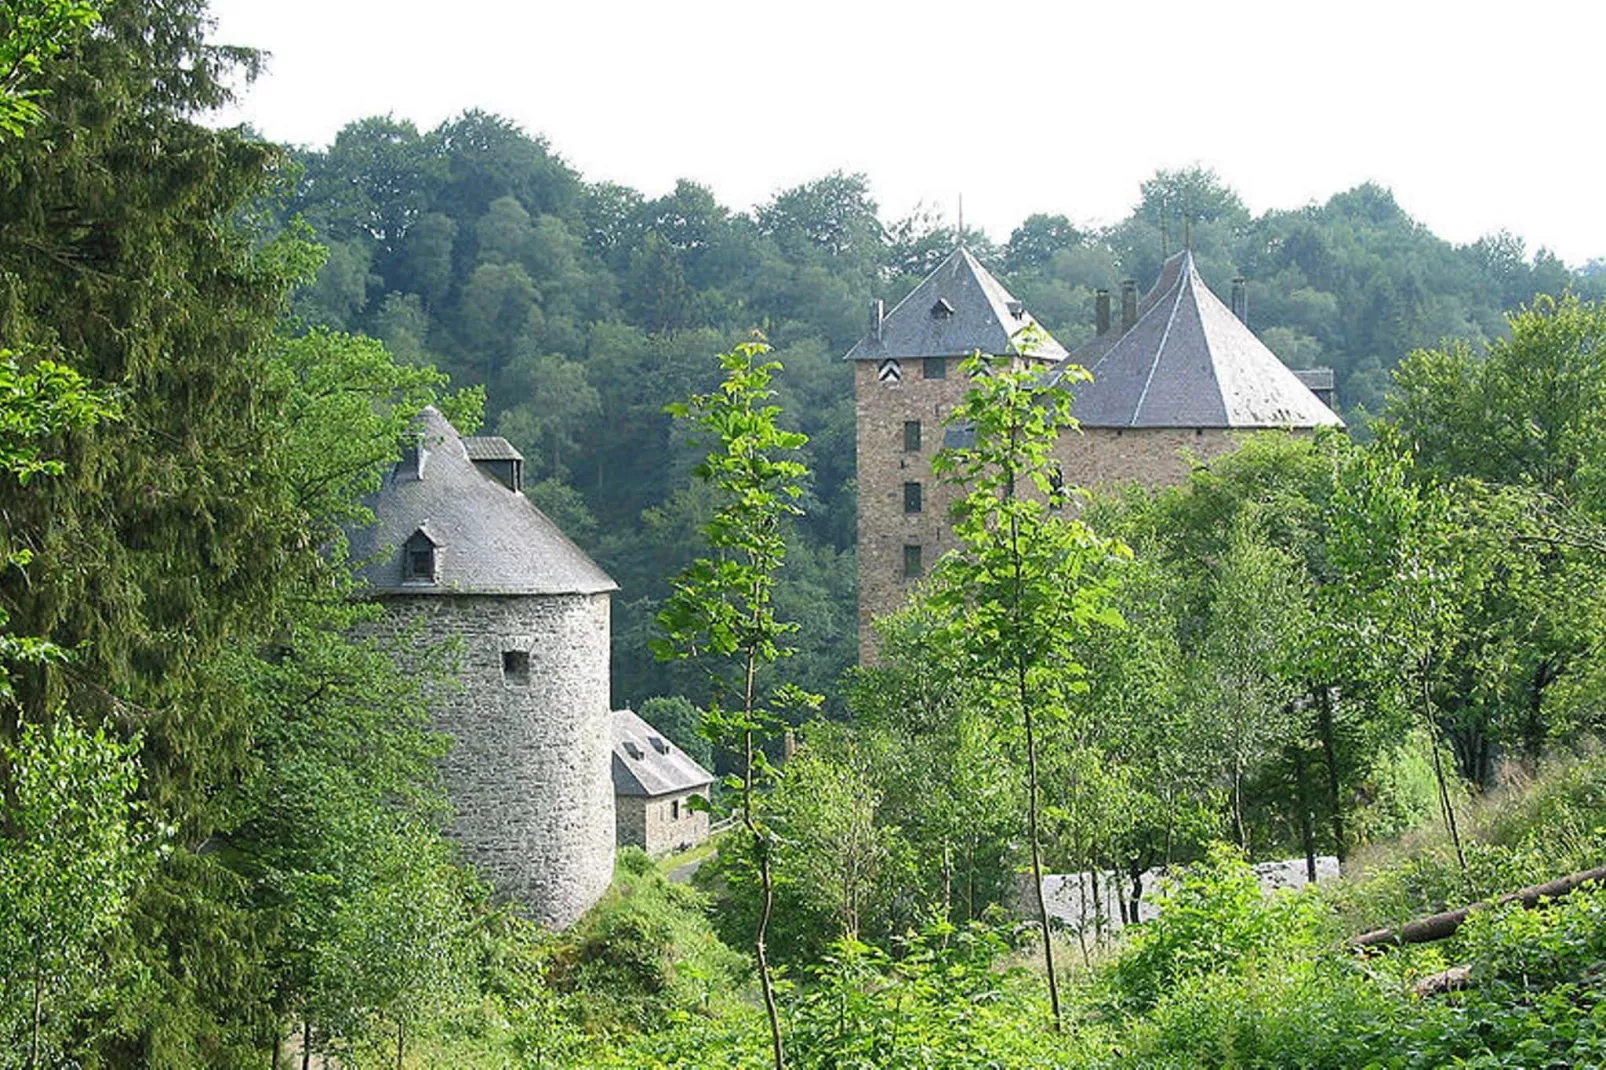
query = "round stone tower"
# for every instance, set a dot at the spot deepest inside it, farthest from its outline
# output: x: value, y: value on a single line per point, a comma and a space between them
x: 459, y: 553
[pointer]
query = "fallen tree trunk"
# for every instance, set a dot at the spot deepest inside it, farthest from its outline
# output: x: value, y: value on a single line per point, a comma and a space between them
x: 1440, y: 926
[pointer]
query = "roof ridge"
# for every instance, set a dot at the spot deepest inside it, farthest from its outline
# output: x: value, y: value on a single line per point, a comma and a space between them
x: 1159, y: 350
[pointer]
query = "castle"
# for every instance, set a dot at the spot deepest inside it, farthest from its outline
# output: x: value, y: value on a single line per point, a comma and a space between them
x: 1180, y: 374
x: 544, y: 776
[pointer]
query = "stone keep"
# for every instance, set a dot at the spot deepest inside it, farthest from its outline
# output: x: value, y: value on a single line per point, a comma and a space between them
x: 1171, y: 383
x: 458, y: 553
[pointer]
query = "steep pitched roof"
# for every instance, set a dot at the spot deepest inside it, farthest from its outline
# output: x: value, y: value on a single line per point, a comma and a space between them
x: 958, y: 309
x: 1189, y: 362
x: 646, y: 763
x: 490, y: 539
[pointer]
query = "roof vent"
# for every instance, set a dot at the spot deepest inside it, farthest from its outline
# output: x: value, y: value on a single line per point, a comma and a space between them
x: 1017, y: 309
x: 632, y: 748
x: 658, y: 744
x: 496, y: 457
x: 942, y: 309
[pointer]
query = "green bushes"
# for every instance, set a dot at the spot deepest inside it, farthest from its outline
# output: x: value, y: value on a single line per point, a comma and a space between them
x: 1213, y: 918
x: 645, y: 952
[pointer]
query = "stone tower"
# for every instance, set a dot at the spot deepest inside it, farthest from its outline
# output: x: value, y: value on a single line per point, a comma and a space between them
x: 458, y: 550
x: 906, y: 381
x: 1171, y: 381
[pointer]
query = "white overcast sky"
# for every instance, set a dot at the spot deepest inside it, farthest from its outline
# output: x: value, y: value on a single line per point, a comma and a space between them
x: 1479, y: 116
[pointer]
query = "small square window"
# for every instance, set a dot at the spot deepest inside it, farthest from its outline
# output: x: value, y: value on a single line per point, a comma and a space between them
x: 911, y: 497
x: 935, y: 368
x: 911, y: 436
x: 516, y: 666
x: 912, y: 567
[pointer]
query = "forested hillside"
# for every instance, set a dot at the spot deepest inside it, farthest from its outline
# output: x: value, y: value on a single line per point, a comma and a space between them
x: 582, y: 307
x: 222, y: 829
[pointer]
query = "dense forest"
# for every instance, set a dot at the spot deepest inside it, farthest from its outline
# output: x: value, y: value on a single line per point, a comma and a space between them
x: 582, y: 308
x: 223, y: 829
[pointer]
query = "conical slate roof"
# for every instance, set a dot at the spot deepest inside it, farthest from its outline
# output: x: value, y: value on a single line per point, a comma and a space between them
x: 1189, y: 362
x: 488, y: 538
x: 958, y: 309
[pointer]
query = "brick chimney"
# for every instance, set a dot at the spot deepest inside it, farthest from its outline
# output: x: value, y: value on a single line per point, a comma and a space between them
x: 1240, y: 300
x: 1101, y: 310
x: 1129, y: 304
x: 878, y: 316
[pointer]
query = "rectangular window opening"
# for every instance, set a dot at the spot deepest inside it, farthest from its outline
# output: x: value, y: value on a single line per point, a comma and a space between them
x: 912, y: 565
x: 934, y: 368
x: 674, y: 809
x: 911, y: 498
x: 911, y: 436
x: 421, y: 564
x: 516, y: 666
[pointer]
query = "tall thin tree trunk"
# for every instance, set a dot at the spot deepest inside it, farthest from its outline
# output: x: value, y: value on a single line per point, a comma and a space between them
x: 1037, y: 853
x: 306, y: 1045
x: 37, y: 1018
x: 401, y: 1044
x: 766, y: 877
x: 1446, y: 806
x: 1324, y: 727
x: 1307, y: 833
x: 1238, y: 807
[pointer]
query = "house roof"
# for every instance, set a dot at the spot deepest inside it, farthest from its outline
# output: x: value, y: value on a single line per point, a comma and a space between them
x: 645, y: 762
x: 1189, y: 362
x: 958, y: 309
x: 489, y: 539
x: 490, y: 448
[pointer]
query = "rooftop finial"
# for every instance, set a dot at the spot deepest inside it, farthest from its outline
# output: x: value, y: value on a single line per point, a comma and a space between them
x: 961, y: 219
x: 1187, y: 233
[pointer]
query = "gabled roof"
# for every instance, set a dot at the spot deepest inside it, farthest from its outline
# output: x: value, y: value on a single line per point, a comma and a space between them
x: 492, y: 540
x: 1189, y: 362
x: 646, y: 763
x: 958, y: 309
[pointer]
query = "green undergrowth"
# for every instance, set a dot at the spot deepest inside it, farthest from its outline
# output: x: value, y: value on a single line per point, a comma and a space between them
x: 1539, y: 825
x: 1224, y: 977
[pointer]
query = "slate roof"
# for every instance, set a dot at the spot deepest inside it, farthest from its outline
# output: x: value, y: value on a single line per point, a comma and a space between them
x: 1189, y: 362
x: 646, y: 763
x: 490, y: 448
x: 490, y: 539
x: 984, y: 316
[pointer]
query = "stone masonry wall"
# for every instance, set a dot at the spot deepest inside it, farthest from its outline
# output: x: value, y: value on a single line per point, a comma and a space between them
x: 530, y: 770
x: 1093, y: 457
x: 1149, y: 456
x: 883, y: 468
x: 648, y: 824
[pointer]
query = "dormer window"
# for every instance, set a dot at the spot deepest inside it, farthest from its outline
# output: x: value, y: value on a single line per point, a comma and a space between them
x: 421, y: 559
x: 942, y: 309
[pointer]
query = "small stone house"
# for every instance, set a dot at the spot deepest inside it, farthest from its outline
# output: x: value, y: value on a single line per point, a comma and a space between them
x: 653, y: 782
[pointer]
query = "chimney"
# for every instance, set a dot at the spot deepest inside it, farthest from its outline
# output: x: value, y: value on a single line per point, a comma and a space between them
x: 878, y: 315
x: 1240, y: 300
x: 1101, y: 310
x: 1129, y: 304
x: 413, y: 456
